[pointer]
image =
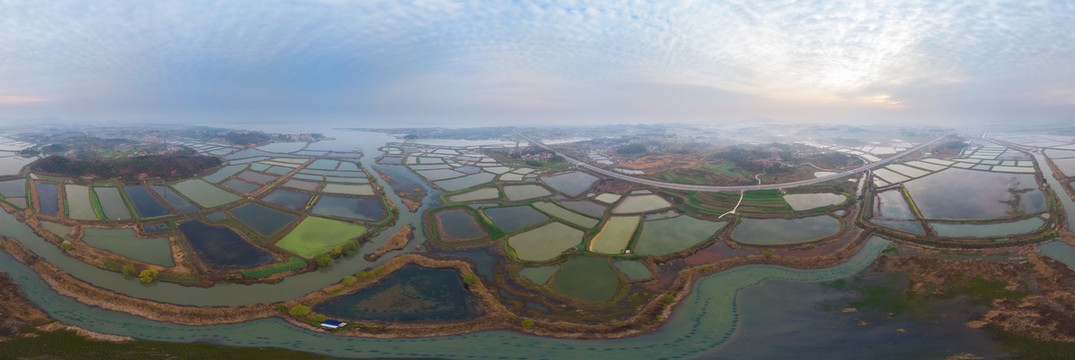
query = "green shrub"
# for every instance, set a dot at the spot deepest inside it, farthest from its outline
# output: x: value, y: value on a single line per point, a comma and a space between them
x: 470, y: 279
x: 149, y: 275
x: 527, y: 322
x: 129, y: 270
x: 299, y: 310
x: 349, y: 280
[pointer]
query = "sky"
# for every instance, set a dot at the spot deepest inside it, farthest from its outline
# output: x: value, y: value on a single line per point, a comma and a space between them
x: 454, y: 63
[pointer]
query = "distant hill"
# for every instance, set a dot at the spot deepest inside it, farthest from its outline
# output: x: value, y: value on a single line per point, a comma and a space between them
x: 170, y: 166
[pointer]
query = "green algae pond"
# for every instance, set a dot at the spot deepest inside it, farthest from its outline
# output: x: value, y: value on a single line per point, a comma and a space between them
x: 785, y: 231
x: 587, y: 278
x: 539, y: 274
x: 315, y: 235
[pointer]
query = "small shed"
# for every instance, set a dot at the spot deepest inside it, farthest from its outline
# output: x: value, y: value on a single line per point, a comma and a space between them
x: 332, y: 324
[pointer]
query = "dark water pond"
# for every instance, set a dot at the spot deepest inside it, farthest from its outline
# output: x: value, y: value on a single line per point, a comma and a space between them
x: 240, y: 186
x: 221, y: 248
x: 177, y: 202
x: 368, y: 209
x: 144, y: 203
x: 264, y: 220
x: 293, y: 200
x: 412, y: 293
x: 47, y: 198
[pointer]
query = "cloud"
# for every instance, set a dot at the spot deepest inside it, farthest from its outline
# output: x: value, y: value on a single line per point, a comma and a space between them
x: 19, y: 100
x: 472, y: 57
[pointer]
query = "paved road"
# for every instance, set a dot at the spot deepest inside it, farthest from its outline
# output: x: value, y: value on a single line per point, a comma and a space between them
x: 714, y: 188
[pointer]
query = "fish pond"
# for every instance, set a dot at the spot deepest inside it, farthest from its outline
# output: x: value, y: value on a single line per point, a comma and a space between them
x: 911, y: 227
x: 203, y: 193
x: 615, y: 235
x: 891, y: 204
x: 572, y: 183
x: 366, y: 209
x: 79, y: 204
x: 586, y: 207
x: 221, y: 248
x: 545, y: 242
x: 126, y: 243
x: 640, y: 204
x: 458, y: 224
x: 586, y: 278
x: 564, y: 214
x: 968, y: 194
x: 514, y: 218
x: 112, y: 203
x: 525, y: 192
x: 785, y: 231
x: 316, y: 235
x: 800, y: 202
x: 410, y: 294
x: 988, y: 230
x: 473, y: 195
x: 264, y: 220
x: 13, y: 188
x: 464, y: 182
x: 669, y: 236
x: 145, y: 204
x: 293, y: 200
